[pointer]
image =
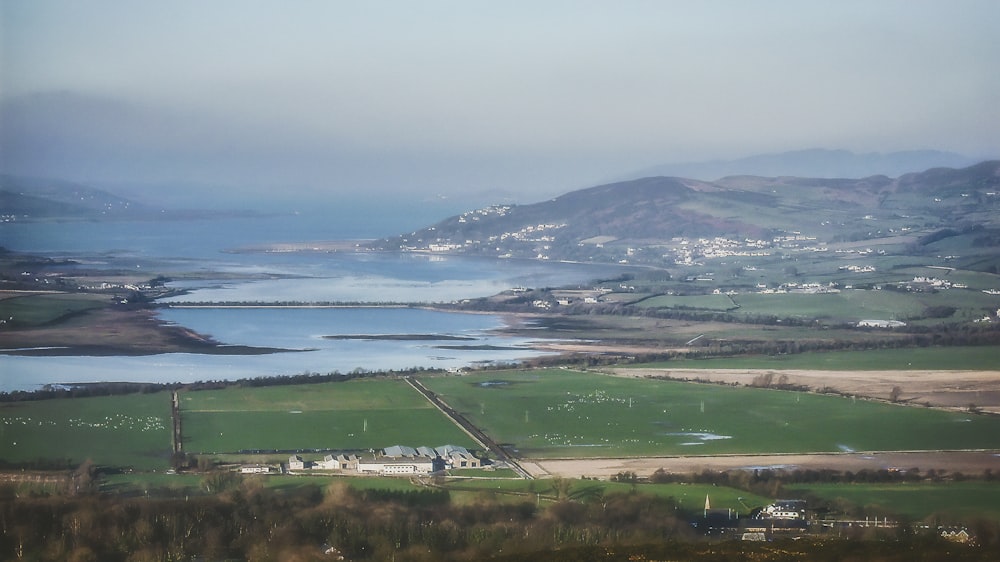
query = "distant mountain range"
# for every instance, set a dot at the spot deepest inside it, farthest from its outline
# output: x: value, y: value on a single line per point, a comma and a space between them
x: 635, y: 221
x: 36, y: 198
x: 28, y: 199
x: 646, y: 221
x: 812, y: 163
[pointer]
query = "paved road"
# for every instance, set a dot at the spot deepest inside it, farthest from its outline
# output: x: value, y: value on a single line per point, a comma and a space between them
x: 496, y: 451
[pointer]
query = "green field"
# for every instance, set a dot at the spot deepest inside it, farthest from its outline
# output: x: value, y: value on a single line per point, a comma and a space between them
x: 36, y: 310
x: 131, y: 430
x: 688, y: 496
x: 843, y: 306
x: 356, y: 414
x: 929, y: 358
x: 718, y: 303
x: 562, y: 413
x: 846, y: 305
x: 947, y: 502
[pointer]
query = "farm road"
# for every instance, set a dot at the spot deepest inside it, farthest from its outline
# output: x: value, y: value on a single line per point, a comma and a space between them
x: 477, y: 435
x: 968, y: 462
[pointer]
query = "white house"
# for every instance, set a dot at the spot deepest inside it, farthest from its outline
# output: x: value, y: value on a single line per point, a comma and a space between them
x: 295, y: 462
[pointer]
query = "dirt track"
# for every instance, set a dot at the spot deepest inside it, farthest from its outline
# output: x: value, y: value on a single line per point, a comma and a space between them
x: 968, y: 462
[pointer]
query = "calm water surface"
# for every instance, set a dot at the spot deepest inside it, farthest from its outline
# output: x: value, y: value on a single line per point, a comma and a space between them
x: 205, y: 247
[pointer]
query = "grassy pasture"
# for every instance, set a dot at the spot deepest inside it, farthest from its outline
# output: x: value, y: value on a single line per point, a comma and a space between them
x: 37, y: 310
x: 561, y: 413
x: 923, y: 358
x: 357, y: 414
x: 947, y: 502
x: 131, y: 430
x: 719, y: 303
x: 688, y: 496
x: 844, y: 306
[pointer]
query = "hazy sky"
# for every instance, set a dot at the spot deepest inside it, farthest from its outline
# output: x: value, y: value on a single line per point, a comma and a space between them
x: 530, y: 98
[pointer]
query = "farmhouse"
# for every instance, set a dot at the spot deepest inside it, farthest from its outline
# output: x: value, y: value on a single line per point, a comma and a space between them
x: 295, y: 462
x: 784, y: 509
x: 394, y: 460
x: 389, y: 466
x: 338, y: 462
x: 881, y: 324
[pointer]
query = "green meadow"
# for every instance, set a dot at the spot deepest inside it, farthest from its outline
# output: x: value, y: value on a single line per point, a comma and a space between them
x: 844, y: 306
x: 688, y: 496
x: 941, y: 503
x: 131, y: 430
x: 717, y: 303
x: 549, y: 413
x: 559, y: 413
x: 36, y: 310
x: 355, y: 414
x: 927, y: 358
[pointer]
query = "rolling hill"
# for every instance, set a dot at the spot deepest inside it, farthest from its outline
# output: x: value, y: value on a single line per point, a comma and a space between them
x: 650, y: 220
x: 37, y: 198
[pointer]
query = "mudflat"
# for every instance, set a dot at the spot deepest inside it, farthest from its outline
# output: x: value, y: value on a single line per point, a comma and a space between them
x: 114, y: 331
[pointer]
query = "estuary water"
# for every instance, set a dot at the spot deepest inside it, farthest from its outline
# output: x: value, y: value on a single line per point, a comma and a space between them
x: 212, y: 262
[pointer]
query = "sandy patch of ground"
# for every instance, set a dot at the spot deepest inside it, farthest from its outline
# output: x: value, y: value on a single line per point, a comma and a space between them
x: 941, y: 389
x: 114, y: 331
x: 968, y: 462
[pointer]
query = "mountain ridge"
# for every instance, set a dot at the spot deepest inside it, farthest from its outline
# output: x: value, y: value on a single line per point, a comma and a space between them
x: 632, y: 221
x: 813, y: 162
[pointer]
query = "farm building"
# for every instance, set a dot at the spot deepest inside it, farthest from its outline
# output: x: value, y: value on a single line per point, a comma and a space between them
x: 338, y: 462
x: 881, y: 324
x: 397, y: 459
x: 389, y: 466
x: 457, y: 457
x: 295, y: 462
x: 784, y: 509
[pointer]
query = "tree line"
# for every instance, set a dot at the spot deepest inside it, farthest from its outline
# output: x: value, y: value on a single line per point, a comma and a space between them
x: 248, y: 521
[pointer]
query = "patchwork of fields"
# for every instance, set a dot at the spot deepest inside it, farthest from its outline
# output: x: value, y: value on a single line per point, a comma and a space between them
x: 552, y: 413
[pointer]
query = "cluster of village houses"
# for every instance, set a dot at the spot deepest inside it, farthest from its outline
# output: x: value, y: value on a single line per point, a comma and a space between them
x: 391, y: 461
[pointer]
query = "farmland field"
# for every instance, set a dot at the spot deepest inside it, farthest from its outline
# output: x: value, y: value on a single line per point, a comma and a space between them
x: 846, y: 305
x: 720, y: 303
x: 949, y: 502
x: 843, y: 306
x: 688, y: 496
x: 129, y: 430
x: 357, y: 414
x: 36, y: 310
x: 564, y: 414
x: 931, y: 358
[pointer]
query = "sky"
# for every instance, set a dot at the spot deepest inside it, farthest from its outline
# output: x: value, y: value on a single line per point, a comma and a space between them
x: 521, y: 99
